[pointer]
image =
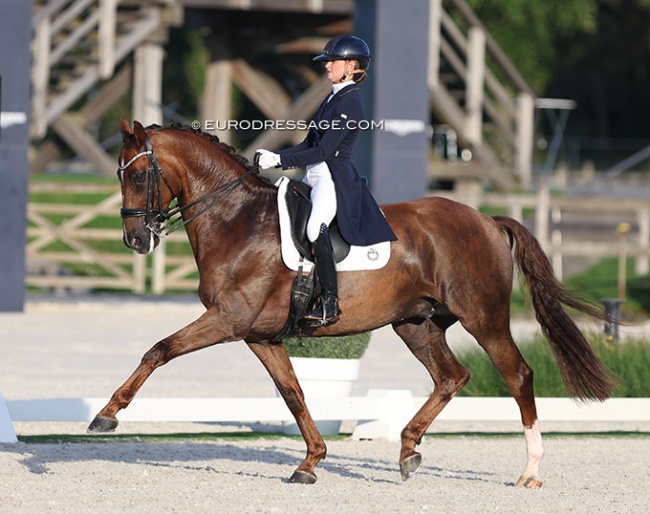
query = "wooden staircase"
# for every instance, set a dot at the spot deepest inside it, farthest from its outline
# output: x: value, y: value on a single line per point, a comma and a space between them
x: 78, y: 45
x: 477, y: 92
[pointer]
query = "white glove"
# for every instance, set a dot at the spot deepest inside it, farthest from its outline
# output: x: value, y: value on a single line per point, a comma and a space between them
x: 265, y: 159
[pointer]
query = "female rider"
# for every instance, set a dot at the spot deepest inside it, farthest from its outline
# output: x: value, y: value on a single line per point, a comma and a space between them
x: 337, y: 189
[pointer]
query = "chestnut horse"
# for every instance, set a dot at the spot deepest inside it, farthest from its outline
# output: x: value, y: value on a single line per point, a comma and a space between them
x: 451, y: 263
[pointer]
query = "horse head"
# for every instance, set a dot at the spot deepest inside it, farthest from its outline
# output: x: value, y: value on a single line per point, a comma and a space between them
x: 146, y: 190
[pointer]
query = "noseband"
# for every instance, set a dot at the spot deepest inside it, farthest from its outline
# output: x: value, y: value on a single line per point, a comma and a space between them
x: 163, y: 222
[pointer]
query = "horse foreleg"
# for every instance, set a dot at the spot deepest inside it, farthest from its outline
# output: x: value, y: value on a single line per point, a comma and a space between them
x: 198, y: 334
x: 276, y: 360
x: 427, y: 342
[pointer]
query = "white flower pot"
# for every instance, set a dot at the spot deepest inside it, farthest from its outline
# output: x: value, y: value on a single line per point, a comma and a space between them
x: 323, y: 378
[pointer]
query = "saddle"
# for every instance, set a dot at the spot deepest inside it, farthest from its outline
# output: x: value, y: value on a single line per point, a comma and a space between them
x: 298, y: 198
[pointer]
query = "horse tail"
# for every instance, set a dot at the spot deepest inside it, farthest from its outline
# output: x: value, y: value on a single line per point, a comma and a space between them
x: 584, y: 375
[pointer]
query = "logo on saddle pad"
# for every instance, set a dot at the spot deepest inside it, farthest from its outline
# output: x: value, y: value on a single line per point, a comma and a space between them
x: 348, y: 257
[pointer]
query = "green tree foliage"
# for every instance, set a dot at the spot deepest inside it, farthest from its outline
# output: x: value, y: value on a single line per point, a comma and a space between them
x: 596, y: 52
x: 609, y: 73
x: 529, y: 31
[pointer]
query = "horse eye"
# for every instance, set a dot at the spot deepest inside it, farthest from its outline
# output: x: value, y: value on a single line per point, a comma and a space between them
x: 138, y: 177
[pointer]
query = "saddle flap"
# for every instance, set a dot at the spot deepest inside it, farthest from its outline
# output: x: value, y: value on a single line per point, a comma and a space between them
x: 298, y: 198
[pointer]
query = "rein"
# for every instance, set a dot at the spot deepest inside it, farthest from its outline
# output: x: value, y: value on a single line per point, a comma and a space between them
x: 159, y: 221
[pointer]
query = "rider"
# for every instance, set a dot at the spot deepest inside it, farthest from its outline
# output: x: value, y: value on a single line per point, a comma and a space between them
x: 337, y: 188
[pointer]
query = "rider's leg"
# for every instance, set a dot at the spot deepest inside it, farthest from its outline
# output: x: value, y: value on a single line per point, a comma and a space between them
x: 323, y: 197
x: 327, y: 311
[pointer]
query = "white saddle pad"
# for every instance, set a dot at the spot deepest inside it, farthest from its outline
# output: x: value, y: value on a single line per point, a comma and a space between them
x: 360, y: 257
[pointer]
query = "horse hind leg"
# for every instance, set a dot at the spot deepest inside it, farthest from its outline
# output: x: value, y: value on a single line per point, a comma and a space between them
x: 505, y: 355
x: 427, y: 342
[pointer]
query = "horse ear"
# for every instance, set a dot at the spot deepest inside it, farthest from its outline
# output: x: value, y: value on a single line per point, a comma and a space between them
x: 138, y: 132
x: 125, y: 129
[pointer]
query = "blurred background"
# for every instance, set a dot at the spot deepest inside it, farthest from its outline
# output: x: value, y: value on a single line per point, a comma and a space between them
x: 537, y: 110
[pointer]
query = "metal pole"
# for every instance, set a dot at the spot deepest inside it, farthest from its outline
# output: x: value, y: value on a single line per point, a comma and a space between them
x: 613, y: 305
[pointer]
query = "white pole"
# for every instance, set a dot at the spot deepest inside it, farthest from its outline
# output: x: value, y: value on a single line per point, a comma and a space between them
x: 474, y: 83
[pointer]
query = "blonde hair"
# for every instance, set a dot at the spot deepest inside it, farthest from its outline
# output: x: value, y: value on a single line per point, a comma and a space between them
x: 358, y: 75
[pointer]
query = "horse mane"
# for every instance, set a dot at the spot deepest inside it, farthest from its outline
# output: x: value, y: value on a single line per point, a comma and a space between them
x: 225, y: 147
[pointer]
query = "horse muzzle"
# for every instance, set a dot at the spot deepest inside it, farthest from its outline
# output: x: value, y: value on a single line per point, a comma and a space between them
x: 143, y: 242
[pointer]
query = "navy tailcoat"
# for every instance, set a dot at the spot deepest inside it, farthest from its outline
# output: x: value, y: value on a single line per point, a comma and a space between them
x: 331, y: 137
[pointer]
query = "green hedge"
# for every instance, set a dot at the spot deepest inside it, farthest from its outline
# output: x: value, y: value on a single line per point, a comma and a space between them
x: 344, y: 347
x: 629, y: 361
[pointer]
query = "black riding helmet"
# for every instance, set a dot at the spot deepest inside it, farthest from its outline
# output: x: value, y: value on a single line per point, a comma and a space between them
x: 346, y: 48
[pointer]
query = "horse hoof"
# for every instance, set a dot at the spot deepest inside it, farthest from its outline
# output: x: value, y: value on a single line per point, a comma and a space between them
x: 529, y: 482
x: 102, y: 424
x: 410, y: 465
x: 301, y: 477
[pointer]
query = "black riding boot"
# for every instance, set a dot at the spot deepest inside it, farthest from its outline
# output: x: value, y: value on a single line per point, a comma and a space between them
x: 327, y: 310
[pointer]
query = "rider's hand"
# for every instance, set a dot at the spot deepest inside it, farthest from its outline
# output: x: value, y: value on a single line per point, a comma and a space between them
x: 265, y: 159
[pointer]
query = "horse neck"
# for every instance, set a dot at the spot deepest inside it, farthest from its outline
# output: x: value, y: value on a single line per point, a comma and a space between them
x: 233, y: 212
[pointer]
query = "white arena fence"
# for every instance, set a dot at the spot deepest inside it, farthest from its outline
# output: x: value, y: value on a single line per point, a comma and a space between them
x: 381, y: 414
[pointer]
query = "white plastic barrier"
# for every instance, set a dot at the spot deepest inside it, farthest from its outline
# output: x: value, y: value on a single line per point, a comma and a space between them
x: 381, y: 414
x: 7, y: 433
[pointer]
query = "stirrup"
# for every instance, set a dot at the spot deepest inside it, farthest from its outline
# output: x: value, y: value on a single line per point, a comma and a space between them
x: 318, y: 317
x: 321, y: 322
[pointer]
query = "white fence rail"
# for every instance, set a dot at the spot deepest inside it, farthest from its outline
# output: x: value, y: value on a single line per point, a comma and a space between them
x: 381, y: 414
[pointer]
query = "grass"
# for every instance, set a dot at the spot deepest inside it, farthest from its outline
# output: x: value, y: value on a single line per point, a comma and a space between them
x: 157, y: 438
x: 629, y: 361
x: 598, y: 282
x: 182, y: 437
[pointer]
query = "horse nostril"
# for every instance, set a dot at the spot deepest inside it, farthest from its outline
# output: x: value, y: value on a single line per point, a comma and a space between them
x: 135, y: 242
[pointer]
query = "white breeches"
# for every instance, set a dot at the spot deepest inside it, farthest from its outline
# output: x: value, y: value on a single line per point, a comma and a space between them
x: 323, y: 198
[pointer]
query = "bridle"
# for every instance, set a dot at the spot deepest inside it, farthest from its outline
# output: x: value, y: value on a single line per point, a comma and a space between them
x: 163, y: 222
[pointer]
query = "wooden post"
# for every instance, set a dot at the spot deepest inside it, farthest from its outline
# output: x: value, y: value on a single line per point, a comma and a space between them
x: 515, y: 211
x: 147, y: 87
x: 435, y: 15
x: 541, y: 216
x: 106, y: 37
x: 474, y: 83
x: 40, y: 77
x: 70, y: 128
x: 524, y: 135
